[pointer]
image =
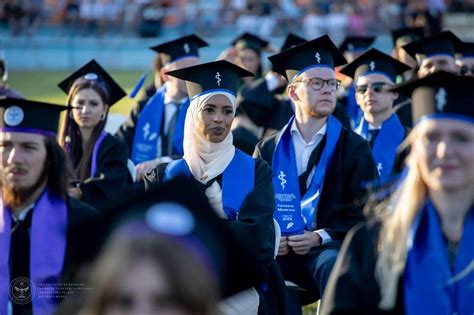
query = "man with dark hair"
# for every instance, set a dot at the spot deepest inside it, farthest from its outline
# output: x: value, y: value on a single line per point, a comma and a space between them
x: 41, y: 239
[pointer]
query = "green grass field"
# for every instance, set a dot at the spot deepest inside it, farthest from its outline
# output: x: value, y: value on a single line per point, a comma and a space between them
x: 42, y: 86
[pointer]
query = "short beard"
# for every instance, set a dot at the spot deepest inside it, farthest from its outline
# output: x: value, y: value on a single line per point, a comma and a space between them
x: 14, y: 197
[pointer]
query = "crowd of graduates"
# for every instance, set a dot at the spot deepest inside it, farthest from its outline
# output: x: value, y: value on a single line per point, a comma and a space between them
x: 342, y: 174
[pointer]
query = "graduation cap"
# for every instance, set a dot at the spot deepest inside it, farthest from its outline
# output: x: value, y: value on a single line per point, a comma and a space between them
x: 356, y: 43
x: 92, y: 71
x: 440, y: 93
x: 292, y: 40
x: 403, y: 36
x: 250, y: 41
x: 186, y: 46
x: 466, y: 50
x: 319, y: 52
x: 375, y: 62
x: 443, y: 43
x: 216, y: 75
x: 257, y: 101
x: 188, y: 219
x: 22, y: 115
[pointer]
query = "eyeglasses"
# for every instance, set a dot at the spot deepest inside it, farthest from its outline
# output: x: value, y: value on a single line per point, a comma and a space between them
x: 377, y: 87
x: 318, y: 83
x: 466, y: 69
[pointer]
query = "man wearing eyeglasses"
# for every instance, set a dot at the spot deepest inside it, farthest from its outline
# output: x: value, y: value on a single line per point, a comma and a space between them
x: 465, y: 59
x: 374, y: 73
x: 318, y: 170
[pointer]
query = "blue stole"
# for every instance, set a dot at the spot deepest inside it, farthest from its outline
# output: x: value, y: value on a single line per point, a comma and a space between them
x: 430, y: 285
x: 234, y: 188
x: 148, y: 128
x: 385, y: 146
x: 293, y: 213
x: 353, y: 110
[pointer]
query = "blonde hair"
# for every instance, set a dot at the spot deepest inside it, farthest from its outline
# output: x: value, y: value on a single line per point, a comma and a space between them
x: 404, y: 204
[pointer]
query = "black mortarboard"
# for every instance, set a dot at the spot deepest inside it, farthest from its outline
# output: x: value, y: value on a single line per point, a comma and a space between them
x: 186, y: 46
x: 319, y: 52
x: 257, y: 101
x: 443, y: 43
x: 403, y: 36
x: 251, y: 41
x: 440, y: 93
x: 466, y: 50
x: 216, y: 75
x: 292, y: 40
x: 94, y: 72
x: 375, y: 61
x: 356, y: 43
x: 189, y: 219
x: 29, y: 116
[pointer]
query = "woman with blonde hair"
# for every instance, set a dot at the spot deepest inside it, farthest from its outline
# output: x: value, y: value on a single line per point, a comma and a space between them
x: 417, y: 255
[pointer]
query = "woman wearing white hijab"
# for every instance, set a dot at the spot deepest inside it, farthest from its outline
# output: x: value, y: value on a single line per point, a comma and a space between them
x: 238, y: 187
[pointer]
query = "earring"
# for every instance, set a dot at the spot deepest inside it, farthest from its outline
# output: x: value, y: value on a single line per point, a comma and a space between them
x: 102, y: 117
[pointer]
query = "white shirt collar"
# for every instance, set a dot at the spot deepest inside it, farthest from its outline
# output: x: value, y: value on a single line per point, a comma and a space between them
x: 168, y: 100
x: 296, y: 132
x: 23, y: 213
x: 371, y: 127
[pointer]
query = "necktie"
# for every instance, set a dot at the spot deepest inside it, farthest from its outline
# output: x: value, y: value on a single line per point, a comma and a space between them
x: 169, y: 130
x: 20, y: 261
x: 313, y: 159
x: 372, y: 136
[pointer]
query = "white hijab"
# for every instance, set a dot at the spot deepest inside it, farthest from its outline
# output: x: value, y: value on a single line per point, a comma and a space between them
x: 207, y: 160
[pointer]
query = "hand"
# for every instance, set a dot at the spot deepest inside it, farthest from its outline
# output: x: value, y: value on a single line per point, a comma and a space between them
x: 144, y: 168
x: 283, y: 248
x: 74, y: 192
x: 301, y: 244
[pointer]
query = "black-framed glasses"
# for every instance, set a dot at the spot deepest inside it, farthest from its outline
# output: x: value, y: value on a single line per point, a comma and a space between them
x: 318, y: 83
x: 377, y: 87
x: 466, y: 70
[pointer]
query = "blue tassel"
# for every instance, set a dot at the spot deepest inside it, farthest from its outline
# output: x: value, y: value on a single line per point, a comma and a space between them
x: 138, y: 86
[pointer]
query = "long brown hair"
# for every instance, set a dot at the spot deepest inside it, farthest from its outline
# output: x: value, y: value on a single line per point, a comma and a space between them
x: 58, y: 167
x: 70, y: 136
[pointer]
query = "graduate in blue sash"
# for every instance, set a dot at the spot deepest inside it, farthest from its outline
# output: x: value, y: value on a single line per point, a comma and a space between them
x: 154, y: 131
x: 99, y: 159
x: 238, y: 187
x: 416, y: 255
x: 374, y: 73
x: 319, y: 168
x: 352, y: 47
x: 42, y: 236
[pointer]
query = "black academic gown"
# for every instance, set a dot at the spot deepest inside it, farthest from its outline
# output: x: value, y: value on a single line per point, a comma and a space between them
x: 254, y: 229
x: 112, y: 163
x: 352, y: 287
x: 343, y: 195
x: 83, y: 240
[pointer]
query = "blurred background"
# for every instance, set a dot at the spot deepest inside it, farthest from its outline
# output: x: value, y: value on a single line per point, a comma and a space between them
x: 44, y: 40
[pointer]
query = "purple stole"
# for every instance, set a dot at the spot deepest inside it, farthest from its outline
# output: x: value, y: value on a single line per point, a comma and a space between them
x: 47, y: 249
